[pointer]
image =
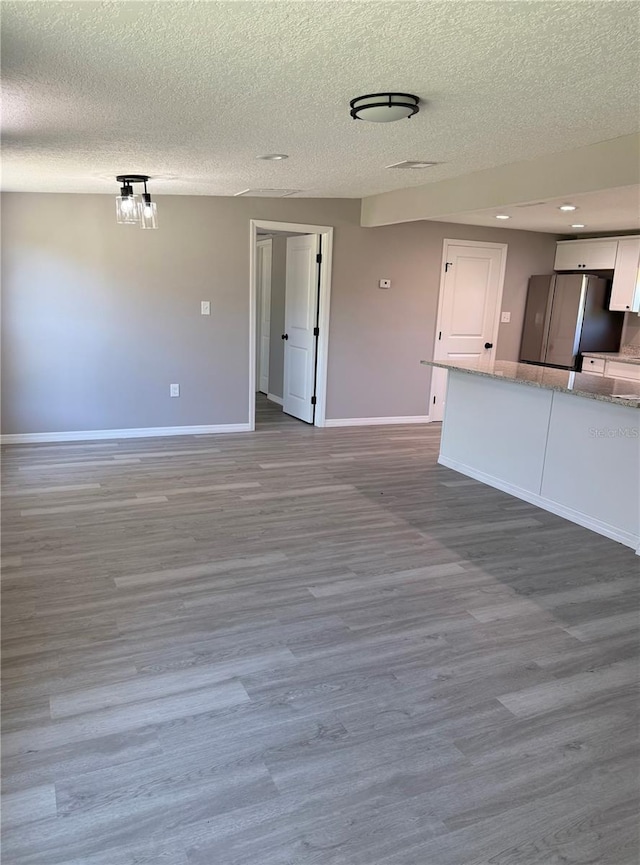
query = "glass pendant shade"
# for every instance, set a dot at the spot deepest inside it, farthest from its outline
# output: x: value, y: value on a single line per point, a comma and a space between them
x: 148, y: 212
x: 132, y: 209
x: 127, y: 207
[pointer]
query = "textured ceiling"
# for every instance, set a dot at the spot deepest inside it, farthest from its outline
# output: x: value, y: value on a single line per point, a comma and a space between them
x: 193, y: 92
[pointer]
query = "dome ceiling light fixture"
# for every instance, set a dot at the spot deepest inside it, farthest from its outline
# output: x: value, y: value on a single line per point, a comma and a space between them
x: 384, y: 107
x: 133, y: 209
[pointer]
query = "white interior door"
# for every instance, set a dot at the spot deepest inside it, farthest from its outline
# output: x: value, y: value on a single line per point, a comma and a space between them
x: 263, y: 334
x: 301, y: 288
x: 468, y: 309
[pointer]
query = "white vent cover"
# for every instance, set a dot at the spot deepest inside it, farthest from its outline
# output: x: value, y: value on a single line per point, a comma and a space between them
x: 415, y: 164
x: 267, y: 193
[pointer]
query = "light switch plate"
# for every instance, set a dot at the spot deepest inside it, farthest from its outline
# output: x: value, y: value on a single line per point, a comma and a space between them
x: 205, y: 307
x: 384, y: 283
x: 174, y: 390
x: 505, y: 317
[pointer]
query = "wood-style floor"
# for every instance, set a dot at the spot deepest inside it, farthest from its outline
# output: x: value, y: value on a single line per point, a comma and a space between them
x: 308, y: 647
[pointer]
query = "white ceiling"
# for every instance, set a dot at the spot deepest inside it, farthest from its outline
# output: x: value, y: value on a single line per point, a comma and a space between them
x: 605, y: 210
x: 193, y: 92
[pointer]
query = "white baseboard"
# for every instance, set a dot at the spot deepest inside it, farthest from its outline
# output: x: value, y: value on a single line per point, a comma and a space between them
x: 375, y: 421
x: 144, y: 432
x: 273, y: 398
x: 626, y: 538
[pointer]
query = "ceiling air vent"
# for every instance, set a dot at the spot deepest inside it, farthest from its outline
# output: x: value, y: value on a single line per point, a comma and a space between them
x: 267, y: 193
x: 409, y: 163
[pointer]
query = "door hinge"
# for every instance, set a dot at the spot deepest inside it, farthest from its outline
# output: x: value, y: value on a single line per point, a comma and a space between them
x: 319, y: 258
x: 316, y: 331
x: 313, y: 400
x: 439, y: 334
x: 447, y: 265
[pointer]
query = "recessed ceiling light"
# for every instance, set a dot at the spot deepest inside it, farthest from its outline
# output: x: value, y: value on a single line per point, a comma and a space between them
x: 408, y: 163
x: 567, y: 207
x: 274, y: 157
x: 502, y: 216
x: 578, y: 225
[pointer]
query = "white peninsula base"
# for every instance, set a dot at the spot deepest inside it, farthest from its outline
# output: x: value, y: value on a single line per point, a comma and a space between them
x: 575, y: 456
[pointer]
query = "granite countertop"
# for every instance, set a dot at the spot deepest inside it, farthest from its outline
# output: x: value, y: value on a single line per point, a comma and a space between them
x: 613, y: 390
x: 621, y: 356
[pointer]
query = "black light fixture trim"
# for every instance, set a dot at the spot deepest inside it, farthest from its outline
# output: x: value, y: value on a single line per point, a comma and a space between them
x: 128, y: 179
x: 387, y: 100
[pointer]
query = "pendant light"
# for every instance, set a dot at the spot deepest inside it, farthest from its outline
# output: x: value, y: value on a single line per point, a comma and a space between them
x: 133, y: 209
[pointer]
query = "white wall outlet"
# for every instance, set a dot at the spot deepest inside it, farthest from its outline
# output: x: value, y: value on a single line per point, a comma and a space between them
x: 384, y: 283
x: 205, y: 307
x: 505, y: 318
x: 174, y: 390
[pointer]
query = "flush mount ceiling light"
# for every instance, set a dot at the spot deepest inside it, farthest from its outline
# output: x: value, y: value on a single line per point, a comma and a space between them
x: 578, y: 225
x: 133, y: 209
x: 567, y: 207
x: 274, y: 157
x: 410, y: 164
x: 384, y: 107
x: 502, y: 216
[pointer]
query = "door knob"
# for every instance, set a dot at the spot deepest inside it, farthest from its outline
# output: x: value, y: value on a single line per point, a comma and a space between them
x: 285, y: 336
x: 488, y: 345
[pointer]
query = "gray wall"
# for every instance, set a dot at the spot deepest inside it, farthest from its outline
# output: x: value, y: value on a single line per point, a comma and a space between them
x: 99, y: 319
x: 379, y: 336
x: 276, y: 345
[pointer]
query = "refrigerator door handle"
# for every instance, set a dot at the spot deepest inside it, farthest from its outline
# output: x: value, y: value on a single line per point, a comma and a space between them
x: 580, y: 322
x: 547, y: 320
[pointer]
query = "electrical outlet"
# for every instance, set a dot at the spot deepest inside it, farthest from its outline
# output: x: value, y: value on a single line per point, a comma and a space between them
x: 505, y: 318
x: 384, y: 283
x: 205, y: 307
x: 174, y: 390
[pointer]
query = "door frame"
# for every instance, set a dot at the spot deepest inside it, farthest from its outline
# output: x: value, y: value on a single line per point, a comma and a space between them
x: 264, y: 242
x: 483, y: 244
x: 324, y: 302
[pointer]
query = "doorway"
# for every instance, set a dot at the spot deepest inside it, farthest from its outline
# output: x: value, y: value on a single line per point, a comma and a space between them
x: 471, y: 286
x: 289, y: 367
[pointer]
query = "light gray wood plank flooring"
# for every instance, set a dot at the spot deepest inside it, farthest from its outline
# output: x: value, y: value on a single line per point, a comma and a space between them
x: 308, y: 647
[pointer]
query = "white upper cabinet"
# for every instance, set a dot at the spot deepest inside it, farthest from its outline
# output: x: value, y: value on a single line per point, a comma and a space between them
x: 586, y: 254
x: 625, y: 292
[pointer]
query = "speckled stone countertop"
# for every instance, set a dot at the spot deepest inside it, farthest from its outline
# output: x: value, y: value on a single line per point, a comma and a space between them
x: 613, y: 390
x: 621, y: 356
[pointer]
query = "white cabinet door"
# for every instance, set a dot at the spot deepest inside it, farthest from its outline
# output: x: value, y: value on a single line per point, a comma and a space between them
x: 625, y: 294
x: 586, y: 255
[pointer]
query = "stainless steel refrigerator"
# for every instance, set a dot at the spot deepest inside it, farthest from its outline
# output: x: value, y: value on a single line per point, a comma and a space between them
x: 566, y: 315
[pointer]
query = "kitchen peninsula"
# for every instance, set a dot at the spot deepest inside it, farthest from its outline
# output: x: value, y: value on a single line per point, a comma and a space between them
x: 567, y: 442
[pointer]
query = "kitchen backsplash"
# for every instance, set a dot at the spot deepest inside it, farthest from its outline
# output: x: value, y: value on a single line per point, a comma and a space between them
x: 631, y: 332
